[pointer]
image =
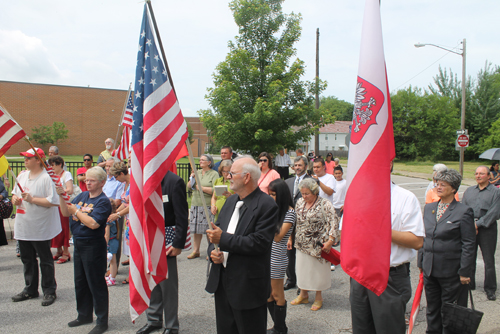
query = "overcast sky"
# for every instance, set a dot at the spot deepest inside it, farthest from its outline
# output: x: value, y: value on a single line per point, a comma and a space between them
x: 94, y: 42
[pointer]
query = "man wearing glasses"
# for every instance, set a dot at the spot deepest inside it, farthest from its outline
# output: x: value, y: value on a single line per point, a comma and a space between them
x: 240, y: 272
x: 81, y: 172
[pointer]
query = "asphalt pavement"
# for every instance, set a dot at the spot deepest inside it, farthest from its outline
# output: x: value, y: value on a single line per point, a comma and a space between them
x: 196, y: 309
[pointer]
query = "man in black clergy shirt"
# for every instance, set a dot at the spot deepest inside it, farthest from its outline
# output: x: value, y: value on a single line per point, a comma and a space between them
x: 240, y: 273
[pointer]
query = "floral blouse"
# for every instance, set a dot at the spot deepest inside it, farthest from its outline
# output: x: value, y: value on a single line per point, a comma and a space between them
x: 315, y: 224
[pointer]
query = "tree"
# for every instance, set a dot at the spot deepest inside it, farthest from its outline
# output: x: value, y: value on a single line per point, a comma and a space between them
x: 190, y: 132
x: 46, y: 134
x: 340, y: 109
x: 424, y: 125
x: 259, y: 101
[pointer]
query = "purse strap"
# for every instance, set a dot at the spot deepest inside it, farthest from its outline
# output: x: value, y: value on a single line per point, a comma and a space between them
x: 466, y: 286
x: 471, y: 300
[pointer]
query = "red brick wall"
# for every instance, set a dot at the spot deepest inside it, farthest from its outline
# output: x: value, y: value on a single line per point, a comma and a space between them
x: 199, y: 135
x: 90, y: 114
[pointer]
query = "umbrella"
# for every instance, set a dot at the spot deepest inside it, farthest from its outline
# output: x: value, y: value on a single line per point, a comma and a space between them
x: 416, y: 303
x: 491, y: 154
x: 333, y: 257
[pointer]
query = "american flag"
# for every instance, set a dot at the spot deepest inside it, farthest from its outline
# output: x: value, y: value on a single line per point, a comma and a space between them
x: 122, y: 152
x: 10, y: 131
x: 158, y: 133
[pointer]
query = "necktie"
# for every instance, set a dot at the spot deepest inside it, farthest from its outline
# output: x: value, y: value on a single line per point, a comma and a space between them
x: 296, y: 188
x: 233, y: 223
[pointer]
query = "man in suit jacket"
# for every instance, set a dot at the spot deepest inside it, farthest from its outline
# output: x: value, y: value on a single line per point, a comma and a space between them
x: 448, y: 254
x: 240, y: 273
x: 300, y: 167
x: 165, y: 296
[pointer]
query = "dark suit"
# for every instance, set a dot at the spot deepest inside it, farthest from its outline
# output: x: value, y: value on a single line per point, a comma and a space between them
x: 165, y: 295
x: 243, y: 287
x: 290, y: 269
x: 447, y: 254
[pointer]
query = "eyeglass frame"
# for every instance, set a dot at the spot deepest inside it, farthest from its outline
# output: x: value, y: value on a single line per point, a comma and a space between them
x: 231, y: 173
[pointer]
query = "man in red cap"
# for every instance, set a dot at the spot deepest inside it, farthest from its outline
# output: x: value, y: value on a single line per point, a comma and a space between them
x: 35, y: 227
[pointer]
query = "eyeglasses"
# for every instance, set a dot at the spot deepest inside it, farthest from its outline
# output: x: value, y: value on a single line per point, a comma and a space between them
x: 202, y: 160
x: 263, y: 160
x: 233, y: 174
x: 87, y: 159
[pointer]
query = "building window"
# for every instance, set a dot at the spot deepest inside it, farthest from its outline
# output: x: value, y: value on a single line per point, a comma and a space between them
x: 326, y: 137
x: 326, y: 148
x: 335, y: 136
x: 207, y: 147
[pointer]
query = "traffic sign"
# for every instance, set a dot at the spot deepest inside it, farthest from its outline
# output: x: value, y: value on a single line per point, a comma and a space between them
x: 463, y: 140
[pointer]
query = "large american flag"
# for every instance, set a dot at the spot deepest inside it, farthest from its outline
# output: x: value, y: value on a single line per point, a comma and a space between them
x: 158, y: 133
x: 122, y: 152
x: 10, y: 131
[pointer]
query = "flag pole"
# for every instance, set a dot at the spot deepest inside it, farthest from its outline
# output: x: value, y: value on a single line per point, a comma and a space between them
x: 15, y: 178
x: 123, y: 113
x: 188, y: 144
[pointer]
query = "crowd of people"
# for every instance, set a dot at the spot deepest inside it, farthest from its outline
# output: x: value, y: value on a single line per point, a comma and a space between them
x: 266, y: 231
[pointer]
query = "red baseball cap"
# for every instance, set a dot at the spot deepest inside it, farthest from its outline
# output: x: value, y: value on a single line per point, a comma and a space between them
x: 30, y: 153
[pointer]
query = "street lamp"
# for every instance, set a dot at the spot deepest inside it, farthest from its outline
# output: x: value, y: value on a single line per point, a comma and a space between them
x: 462, y: 118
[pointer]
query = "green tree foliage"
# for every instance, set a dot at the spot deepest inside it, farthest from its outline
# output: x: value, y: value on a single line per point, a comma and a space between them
x: 190, y: 132
x: 424, y: 125
x: 49, y: 134
x: 340, y: 109
x: 259, y: 101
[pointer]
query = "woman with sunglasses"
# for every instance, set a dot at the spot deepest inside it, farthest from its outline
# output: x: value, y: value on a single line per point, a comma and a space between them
x: 268, y: 174
x: 81, y: 172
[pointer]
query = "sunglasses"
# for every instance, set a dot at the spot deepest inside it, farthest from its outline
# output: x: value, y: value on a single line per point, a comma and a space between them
x: 87, y: 159
x: 262, y: 160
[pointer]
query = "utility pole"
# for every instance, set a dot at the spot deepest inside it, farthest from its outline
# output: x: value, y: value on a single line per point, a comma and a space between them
x: 316, y: 136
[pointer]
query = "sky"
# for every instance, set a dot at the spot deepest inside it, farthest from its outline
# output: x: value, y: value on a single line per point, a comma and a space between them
x: 94, y: 42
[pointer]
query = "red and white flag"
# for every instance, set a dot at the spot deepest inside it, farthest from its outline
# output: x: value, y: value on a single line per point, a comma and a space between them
x: 366, y: 229
x: 416, y: 304
x: 158, y: 134
x: 122, y: 152
x: 10, y: 131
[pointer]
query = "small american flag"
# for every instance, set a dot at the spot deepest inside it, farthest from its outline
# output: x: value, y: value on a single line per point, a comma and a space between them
x: 122, y: 152
x: 170, y: 235
x: 158, y: 134
x: 10, y: 131
x: 129, y: 111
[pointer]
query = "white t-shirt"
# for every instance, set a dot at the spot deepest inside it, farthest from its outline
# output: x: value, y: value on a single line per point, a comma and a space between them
x: 38, y: 223
x: 406, y: 217
x: 329, y: 181
x: 339, y: 194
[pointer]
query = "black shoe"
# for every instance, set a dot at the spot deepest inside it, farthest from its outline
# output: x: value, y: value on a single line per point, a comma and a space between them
x: 23, y: 296
x: 171, y: 331
x: 76, y: 323
x: 99, y: 329
x: 491, y: 296
x: 148, y: 328
x: 48, y: 299
x: 289, y: 285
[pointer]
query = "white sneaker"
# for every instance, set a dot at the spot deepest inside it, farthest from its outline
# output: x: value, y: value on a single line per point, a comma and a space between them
x: 111, y: 281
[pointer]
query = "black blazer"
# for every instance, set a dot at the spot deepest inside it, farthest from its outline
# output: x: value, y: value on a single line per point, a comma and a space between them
x: 247, y: 276
x: 290, y: 182
x: 176, y: 208
x: 449, y: 244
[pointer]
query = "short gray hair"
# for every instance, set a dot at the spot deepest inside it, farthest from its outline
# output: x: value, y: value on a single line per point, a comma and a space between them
x: 98, y: 173
x: 310, y: 184
x: 55, y: 148
x: 209, y: 158
x: 336, y: 160
x: 252, y: 169
x: 224, y: 163
x: 450, y: 176
x: 301, y: 158
x: 113, y: 159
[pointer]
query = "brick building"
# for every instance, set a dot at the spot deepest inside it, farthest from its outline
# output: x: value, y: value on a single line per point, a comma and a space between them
x: 90, y: 114
x: 200, y: 136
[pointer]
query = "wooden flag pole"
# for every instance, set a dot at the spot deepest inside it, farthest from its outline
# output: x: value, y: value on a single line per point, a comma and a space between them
x: 15, y: 179
x: 191, y: 158
x: 123, y: 113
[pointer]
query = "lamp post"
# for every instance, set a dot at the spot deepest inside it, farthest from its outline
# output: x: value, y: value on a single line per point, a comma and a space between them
x: 462, y: 118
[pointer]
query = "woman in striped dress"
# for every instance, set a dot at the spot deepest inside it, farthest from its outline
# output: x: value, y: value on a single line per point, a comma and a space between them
x: 276, y: 303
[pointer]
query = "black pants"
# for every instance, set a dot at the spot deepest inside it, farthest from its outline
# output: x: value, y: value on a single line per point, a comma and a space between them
x: 486, y: 239
x: 29, y: 251
x: 284, y: 172
x: 90, y: 285
x: 232, y: 321
x: 437, y: 292
x: 385, y: 313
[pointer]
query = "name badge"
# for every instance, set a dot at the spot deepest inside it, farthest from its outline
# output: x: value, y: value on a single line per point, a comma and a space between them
x: 165, y: 198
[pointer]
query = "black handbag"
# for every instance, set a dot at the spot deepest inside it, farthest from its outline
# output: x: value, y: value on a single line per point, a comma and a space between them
x: 459, y: 319
x: 5, y: 208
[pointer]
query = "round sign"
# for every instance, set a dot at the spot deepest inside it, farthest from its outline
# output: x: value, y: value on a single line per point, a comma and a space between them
x: 463, y: 140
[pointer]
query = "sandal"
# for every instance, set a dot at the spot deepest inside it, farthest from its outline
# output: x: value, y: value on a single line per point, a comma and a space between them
x: 64, y: 259
x: 125, y: 281
x: 57, y: 256
x: 316, y: 305
x: 193, y: 255
x: 300, y: 300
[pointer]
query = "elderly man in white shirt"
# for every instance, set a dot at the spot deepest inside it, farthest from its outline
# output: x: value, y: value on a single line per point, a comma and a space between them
x: 283, y: 163
x: 386, y: 313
